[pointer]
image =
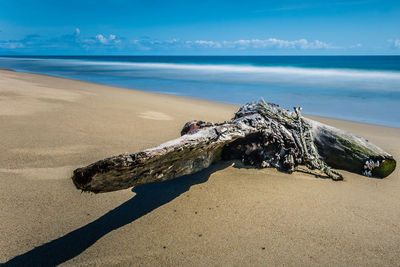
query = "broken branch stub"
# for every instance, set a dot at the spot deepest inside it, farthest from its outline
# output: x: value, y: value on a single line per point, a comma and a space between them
x: 261, y: 134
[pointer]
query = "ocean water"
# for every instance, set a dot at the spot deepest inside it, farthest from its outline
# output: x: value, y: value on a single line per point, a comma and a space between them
x: 357, y: 88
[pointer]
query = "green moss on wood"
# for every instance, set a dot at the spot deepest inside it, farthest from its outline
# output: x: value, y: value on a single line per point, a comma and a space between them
x: 384, y: 169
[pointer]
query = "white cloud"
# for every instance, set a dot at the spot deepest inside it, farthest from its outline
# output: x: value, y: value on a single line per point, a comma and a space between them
x: 356, y: 46
x: 74, y: 40
x: 11, y: 44
x: 206, y: 44
x: 172, y: 41
x: 270, y: 43
x: 101, y: 38
x: 111, y: 39
x: 241, y: 44
x: 396, y: 43
x: 273, y: 43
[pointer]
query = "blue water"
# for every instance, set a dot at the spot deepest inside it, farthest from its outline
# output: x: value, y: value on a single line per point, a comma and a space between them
x: 358, y: 88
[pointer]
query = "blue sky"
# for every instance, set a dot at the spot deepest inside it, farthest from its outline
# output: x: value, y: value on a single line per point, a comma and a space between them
x: 174, y: 27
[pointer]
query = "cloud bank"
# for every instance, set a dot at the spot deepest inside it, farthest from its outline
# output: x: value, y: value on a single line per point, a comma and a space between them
x: 249, y: 44
x: 101, y: 42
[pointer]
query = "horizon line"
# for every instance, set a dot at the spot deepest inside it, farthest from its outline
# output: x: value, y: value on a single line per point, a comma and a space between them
x: 191, y: 55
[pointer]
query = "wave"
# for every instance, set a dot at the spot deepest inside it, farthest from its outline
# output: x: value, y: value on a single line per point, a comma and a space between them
x: 239, y: 68
x: 234, y: 68
x: 258, y: 69
x: 234, y: 73
x: 314, y: 77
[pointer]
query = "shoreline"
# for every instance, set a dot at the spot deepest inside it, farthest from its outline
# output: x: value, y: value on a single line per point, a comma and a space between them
x: 225, y: 215
x: 122, y: 88
x: 316, y: 117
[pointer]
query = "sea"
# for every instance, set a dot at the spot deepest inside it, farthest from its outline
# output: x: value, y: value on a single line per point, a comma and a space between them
x: 356, y: 88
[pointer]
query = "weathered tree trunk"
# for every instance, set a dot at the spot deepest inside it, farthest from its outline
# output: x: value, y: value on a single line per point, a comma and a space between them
x: 343, y: 150
x: 261, y: 134
x: 188, y: 154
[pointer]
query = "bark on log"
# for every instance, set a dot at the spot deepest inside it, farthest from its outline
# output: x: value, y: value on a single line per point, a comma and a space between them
x: 261, y: 134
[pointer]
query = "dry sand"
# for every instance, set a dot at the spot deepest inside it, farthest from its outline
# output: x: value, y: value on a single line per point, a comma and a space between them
x: 226, y: 215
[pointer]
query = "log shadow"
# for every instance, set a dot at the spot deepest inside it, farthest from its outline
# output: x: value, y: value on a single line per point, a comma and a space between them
x: 237, y: 164
x: 148, y: 197
x: 315, y: 174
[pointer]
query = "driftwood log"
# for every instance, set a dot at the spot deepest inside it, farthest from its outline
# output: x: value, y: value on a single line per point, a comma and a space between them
x: 260, y: 134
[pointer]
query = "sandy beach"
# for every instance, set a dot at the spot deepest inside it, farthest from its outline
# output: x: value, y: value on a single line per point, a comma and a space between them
x: 223, y: 216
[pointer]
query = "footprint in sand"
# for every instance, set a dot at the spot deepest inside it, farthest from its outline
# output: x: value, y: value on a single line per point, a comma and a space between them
x: 154, y: 115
